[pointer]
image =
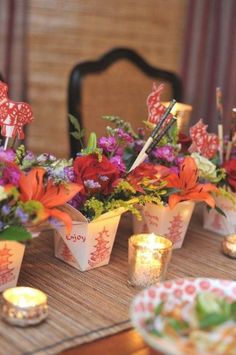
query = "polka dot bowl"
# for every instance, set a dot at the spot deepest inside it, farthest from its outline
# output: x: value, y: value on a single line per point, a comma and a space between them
x: 143, y: 305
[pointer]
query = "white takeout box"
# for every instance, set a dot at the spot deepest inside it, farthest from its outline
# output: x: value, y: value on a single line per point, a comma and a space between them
x: 216, y: 222
x: 11, y: 255
x: 89, y: 244
x: 162, y: 220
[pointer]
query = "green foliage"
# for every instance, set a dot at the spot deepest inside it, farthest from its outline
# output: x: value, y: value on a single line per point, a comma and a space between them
x: 124, y: 190
x: 92, y: 147
x: 15, y: 233
x: 93, y: 208
x: 143, y: 199
x: 79, y: 132
x: 20, y: 154
x: 120, y: 123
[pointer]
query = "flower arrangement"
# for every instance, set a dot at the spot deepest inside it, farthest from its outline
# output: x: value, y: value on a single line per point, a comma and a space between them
x: 29, y: 195
x: 177, y: 169
x: 103, y: 186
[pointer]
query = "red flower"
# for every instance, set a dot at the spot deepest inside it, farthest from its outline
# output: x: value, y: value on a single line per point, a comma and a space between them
x: 147, y: 172
x: 230, y: 167
x: 185, y: 141
x: 95, y: 176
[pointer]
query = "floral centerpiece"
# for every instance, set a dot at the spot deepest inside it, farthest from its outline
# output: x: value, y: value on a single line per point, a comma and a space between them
x: 95, y: 209
x: 170, y: 181
x: 27, y: 199
x: 221, y: 219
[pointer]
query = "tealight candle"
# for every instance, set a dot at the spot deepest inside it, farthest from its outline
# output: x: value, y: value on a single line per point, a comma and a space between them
x: 148, y: 258
x: 229, y: 245
x: 24, y: 306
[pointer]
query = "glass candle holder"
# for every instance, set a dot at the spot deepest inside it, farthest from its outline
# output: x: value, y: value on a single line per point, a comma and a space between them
x: 24, y: 306
x: 183, y: 112
x: 148, y: 258
x: 229, y: 245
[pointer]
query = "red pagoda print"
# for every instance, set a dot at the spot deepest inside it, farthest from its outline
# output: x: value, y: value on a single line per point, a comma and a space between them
x: 102, y: 248
x: 175, y: 229
x: 144, y: 228
x: 6, y: 272
x: 216, y: 223
x: 67, y: 255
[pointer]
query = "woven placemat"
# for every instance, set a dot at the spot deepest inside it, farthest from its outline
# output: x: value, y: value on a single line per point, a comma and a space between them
x: 83, y: 306
x: 90, y: 305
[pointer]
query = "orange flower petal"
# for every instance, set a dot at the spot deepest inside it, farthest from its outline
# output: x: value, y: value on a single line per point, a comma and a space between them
x: 58, y: 195
x: 64, y: 217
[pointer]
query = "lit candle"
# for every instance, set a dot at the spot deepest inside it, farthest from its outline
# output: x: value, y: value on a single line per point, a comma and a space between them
x: 24, y: 306
x: 148, y: 258
x: 182, y: 112
x: 229, y: 245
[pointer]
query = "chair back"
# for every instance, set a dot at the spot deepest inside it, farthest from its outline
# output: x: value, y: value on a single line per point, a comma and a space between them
x: 116, y: 84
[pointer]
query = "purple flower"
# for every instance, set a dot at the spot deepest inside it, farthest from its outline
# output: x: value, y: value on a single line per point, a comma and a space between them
x: 29, y: 156
x: 138, y: 145
x: 124, y: 136
x: 46, y: 157
x: 104, y: 178
x: 6, y: 210
x: 7, y: 155
x: 179, y: 160
x: 54, y: 222
x: 9, y: 174
x: 118, y: 162
x: 21, y: 215
x: 119, y: 151
x: 77, y: 201
x: 91, y: 184
x: 166, y: 153
x: 69, y: 173
x: 108, y: 144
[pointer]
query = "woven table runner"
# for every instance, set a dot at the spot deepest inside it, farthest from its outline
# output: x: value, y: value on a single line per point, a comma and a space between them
x: 85, y: 306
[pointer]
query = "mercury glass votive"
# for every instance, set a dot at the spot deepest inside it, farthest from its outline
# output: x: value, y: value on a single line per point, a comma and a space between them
x: 229, y: 245
x: 24, y: 306
x: 148, y: 258
x: 183, y: 112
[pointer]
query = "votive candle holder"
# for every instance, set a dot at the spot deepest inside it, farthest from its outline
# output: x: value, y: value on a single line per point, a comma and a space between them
x: 148, y: 259
x: 24, y: 306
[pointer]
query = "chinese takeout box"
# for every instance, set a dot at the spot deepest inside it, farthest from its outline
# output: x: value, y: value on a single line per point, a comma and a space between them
x: 162, y: 220
x: 89, y: 244
x: 11, y: 255
x: 216, y: 222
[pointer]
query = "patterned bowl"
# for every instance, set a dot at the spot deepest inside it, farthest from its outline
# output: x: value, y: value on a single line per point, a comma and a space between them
x: 143, y: 305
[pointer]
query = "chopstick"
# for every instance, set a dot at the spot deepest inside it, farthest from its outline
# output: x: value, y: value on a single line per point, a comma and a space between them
x: 155, y: 133
x: 219, y: 108
x: 231, y: 134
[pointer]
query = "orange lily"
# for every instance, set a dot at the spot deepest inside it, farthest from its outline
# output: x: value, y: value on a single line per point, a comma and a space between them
x: 32, y: 188
x: 187, y: 182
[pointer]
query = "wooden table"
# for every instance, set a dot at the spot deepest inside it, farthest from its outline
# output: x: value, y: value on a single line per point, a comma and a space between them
x: 202, y: 257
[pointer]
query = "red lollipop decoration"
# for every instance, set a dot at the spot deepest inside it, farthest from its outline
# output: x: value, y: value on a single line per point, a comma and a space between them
x: 13, y: 115
x: 203, y: 143
x: 155, y: 108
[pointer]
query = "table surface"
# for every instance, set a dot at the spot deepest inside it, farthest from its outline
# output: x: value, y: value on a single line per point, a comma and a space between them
x: 204, y: 260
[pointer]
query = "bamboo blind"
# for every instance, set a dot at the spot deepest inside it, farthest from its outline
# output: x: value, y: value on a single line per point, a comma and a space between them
x: 62, y: 33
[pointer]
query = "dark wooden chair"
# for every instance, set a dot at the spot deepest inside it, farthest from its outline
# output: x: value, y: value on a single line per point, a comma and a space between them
x: 115, y: 84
